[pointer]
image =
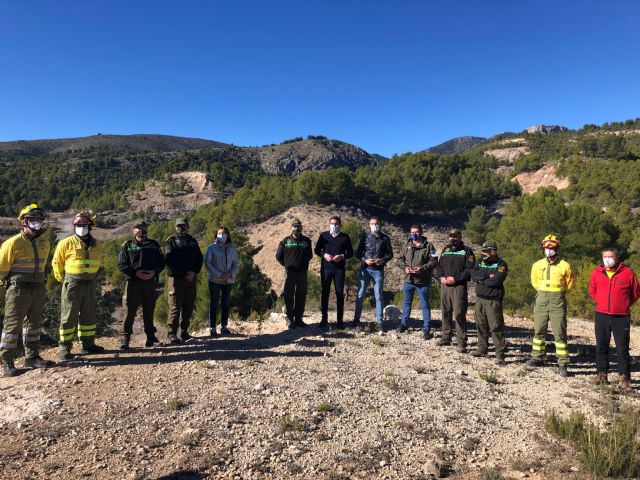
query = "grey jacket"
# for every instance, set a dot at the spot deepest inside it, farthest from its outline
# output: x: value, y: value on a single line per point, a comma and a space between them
x: 221, y: 258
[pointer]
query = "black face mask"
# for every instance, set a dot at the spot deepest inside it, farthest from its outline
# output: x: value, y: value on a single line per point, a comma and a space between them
x: 181, y: 231
x: 142, y: 234
x: 456, y: 244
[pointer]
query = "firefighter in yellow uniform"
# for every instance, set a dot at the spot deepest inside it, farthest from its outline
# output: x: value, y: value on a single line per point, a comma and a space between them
x: 22, y: 261
x: 552, y: 278
x: 76, y: 262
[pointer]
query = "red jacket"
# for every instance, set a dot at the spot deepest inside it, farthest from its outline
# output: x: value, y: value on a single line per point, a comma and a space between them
x: 614, y: 296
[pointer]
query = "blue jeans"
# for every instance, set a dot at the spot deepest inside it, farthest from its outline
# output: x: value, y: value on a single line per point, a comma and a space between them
x: 365, y: 276
x: 423, y: 295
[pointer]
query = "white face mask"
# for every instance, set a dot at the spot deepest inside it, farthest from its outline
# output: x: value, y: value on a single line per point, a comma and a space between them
x: 550, y: 252
x: 609, y: 262
x: 334, y: 228
x: 374, y: 228
x: 82, y: 231
x: 34, y: 225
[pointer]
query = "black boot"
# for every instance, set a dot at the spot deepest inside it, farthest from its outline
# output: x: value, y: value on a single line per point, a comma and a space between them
x: 124, y: 343
x: 64, y: 352
x: 37, y: 362
x: 93, y: 348
x: 151, y: 340
x: 9, y: 369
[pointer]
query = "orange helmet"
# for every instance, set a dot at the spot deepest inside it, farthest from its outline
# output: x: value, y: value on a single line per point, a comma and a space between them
x: 550, y: 241
x: 83, y: 218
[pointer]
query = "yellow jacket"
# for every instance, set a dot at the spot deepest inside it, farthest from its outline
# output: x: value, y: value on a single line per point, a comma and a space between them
x: 23, y: 258
x: 552, y: 277
x: 73, y: 257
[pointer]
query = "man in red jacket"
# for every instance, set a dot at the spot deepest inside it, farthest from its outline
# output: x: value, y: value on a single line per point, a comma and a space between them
x: 614, y: 287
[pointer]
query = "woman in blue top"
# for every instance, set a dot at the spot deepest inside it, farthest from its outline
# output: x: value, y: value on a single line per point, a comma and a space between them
x: 222, y: 263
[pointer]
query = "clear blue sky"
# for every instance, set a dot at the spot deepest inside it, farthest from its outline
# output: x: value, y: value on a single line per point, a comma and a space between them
x: 389, y: 76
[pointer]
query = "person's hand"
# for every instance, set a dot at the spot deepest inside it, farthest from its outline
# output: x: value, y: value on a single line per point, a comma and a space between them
x: 328, y: 257
x: 408, y: 270
x: 491, y: 275
x: 450, y: 280
x: 378, y: 261
x: 443, y: 280
x: 370, y: 261
x: 226, y: 276
x: 338, y: 258
x: 145, y: 274
x: 190, y: 276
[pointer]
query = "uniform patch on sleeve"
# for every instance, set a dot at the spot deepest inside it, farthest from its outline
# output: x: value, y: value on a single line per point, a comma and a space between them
x: 502, y: 269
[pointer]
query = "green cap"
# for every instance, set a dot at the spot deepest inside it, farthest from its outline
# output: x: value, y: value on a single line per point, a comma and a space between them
x: 489, y: 245
x: 296, y: 222
x: 455, y: 232
x: 182, y: 221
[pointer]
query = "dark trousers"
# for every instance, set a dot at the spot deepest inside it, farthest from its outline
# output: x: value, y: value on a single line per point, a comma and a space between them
x: 295, y: 294
x: 453, y: 301
x: 219, y: 293
x: 182, y: 300
x: 137, y: 293
x: 620, y: 326
x: 327, y: 276
x: 489, y: 319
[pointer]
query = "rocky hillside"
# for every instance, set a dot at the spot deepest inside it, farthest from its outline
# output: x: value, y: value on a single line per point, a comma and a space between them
x: 267, y: 403
x: 457, y: 145
x: 152, y: 143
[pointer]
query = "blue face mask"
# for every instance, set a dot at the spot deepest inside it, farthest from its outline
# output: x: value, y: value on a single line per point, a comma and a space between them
x: 414, y: 236
x: 334, y: 228
x: 222, y: 238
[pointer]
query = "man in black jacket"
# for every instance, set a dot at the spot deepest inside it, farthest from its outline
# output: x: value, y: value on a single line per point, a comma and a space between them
x: 489, y: 275
x: 184, y: 262
x: 374, y: 251
x: 294, y: 254
x: 455, y: 262
x: 140, y: 260
x: 418, y: 259
x: 334, y: 248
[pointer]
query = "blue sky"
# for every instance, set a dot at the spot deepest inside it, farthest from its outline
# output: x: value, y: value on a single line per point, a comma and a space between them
x: 387, y: 76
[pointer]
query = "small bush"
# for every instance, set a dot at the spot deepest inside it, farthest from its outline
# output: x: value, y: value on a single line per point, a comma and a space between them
x: 489, y: 377
x: 491, y: 474
x: 324, y: 407
x: 176, y: 404
x: 290, y: 424
x: 377, y: 342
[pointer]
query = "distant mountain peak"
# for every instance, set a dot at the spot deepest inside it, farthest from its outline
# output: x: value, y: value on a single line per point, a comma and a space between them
x: 546, y: 129
x: 457, y: 145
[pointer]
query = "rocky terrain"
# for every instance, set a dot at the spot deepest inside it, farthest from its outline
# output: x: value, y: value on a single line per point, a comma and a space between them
x: 457, y: 145
x: 530, y: 182
x: 546, y: 129
x: 270, y: 403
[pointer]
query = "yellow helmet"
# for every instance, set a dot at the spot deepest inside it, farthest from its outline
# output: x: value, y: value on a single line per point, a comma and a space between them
x: 32, y: 211
x: 550, y: 241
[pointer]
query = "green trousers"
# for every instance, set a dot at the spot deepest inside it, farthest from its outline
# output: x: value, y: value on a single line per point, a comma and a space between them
x: 182, y: 299
x: 453, y: 302
x: 550, y: 308
x: 489, y: 318
x: 24, y: 304
x: 78, y: 308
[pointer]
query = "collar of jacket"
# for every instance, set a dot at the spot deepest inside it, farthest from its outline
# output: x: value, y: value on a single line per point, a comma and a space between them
x: 620, y: 267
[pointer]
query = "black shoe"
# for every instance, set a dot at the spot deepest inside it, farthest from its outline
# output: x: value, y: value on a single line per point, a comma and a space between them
x: 427, y: 335
x: 37, y: 362
x: 292, y: 325
x: 323, y: 323
x: 534, y: 362
x: 151, y: 340
x: 300, y: 323
x: 92, y: 349
x: 562, y: 371
x: 356, y: 324
x: 213, y: 333
x: 402, y: 328
x: 340, y: 325
x: 124, y: 343
x: 9, y: 370
x: 382, y: 328
x: 462, y: 349
x: 185, y: 337
x: 443, y: 343
x: 479, y: 353
x: 224, y: 331
x: 172, y: 339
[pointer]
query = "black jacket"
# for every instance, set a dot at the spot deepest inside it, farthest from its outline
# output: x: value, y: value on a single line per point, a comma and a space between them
x: 489, y: 275
x: 182, y: 254
x: 295, y: 253
x: 374, y: 246
x: 338, y: 245
x: 145, y: 255
x: 456, y: 263
x: 424, y: 256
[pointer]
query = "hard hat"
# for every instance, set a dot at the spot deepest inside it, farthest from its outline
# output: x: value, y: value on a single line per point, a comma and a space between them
x: 182, y: 221
x: 83, y: 218
x: 550, y: 241
x: 32, y: 211
x: 490, y: 245
x: 455, y: 233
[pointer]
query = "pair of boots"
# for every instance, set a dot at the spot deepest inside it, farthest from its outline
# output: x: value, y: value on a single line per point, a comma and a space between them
x: 9, y: 369
x: 151, y: 340
x: 601, y: 378
x: 64, y: 350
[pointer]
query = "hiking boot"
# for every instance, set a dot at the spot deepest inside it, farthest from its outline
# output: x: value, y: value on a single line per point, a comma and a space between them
x: 185, y: 337
x: 441, y: 342
x: 9, y: 369
x: 299, y: 323
x: 124, y: 343
x: 479, y: 353
x: 224, y: 330
x: 93, y: 348
x: 427, y: 335
x: 402, y: 328
x: 600, y: 378
x: 534, y: 362
x: 64, y: 352
x: 151, y: 340
x: 356, y: 324
x: 37, y: 362
x: 172, y: 339
x: 462, y: 349
x: 381, y: 328
x: 499, y: 361
x: 623, y: 383
x: 323, y: 323
x: 340, y: 325
x: 562, y: 371
x: 213, y: 333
